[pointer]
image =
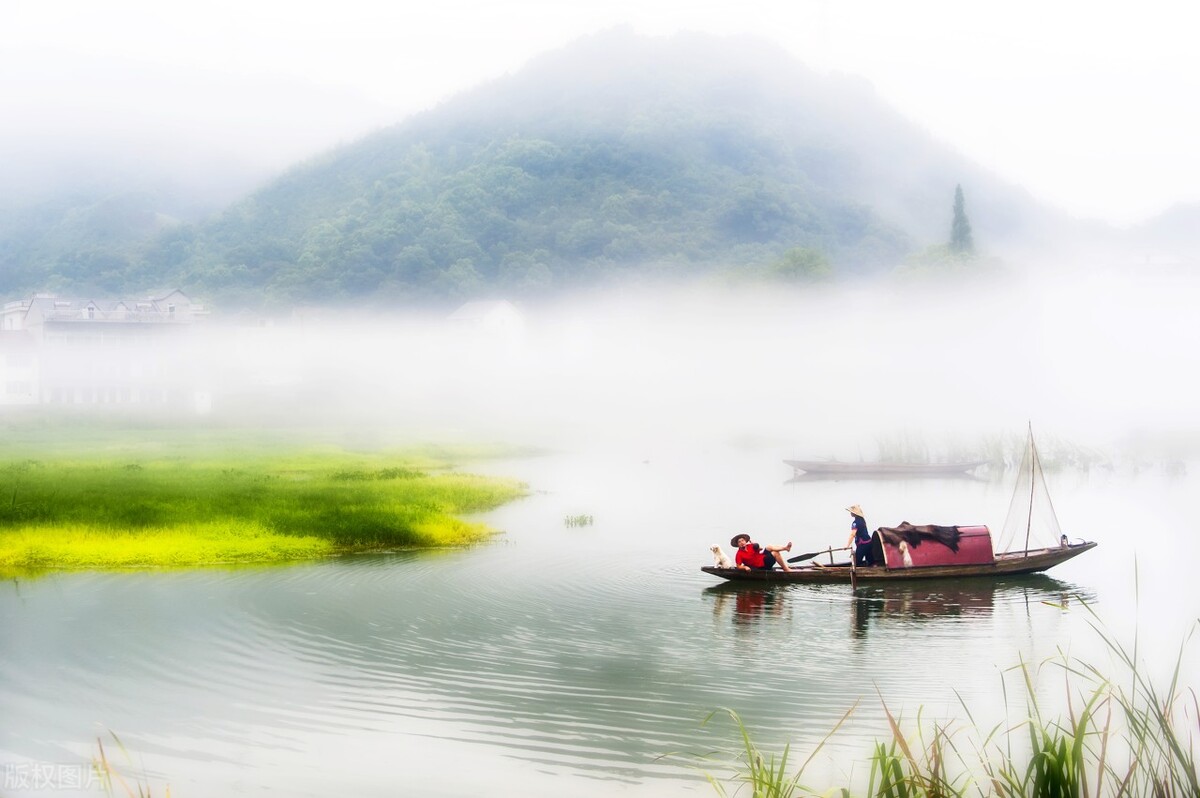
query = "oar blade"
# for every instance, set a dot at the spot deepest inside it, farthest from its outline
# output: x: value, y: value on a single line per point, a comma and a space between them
x: 809, y: 555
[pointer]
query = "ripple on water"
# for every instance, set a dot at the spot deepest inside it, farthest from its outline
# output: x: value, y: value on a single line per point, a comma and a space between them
x: 598, y: 669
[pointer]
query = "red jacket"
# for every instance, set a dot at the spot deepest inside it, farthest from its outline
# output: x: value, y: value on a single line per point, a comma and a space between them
x: 752, y: 555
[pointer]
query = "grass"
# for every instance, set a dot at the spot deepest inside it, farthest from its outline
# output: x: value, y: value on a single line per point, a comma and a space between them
x: 191, y: 507
x: 1123, y: 737
x: 110, y: 776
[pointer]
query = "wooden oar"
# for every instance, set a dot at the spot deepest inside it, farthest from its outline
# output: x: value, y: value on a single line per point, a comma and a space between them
x: 809, y: 555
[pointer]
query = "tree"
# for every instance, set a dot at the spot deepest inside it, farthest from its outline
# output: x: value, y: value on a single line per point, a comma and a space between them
x: 960, y: 229
x: 802, y: 263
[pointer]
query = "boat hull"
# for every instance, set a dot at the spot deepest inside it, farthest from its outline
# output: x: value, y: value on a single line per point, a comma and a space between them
x: 878, y: 469
x: 1007, y: 564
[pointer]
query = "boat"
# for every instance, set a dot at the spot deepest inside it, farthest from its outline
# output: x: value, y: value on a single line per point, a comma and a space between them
x: 932, y: 551
x: 840, y: 468
x: 1009, y: 563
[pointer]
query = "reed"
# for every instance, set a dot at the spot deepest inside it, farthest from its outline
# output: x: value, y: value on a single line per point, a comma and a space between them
x: 111, y: 778
x: 1056, y: 453
x: 764, y: 775
x: 1123, y: 736
x: 901, y: 767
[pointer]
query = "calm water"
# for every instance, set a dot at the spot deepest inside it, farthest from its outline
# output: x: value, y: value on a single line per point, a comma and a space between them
x: 567, y: 659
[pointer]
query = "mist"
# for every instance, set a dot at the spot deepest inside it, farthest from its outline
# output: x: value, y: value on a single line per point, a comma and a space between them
x: 1097, y: 356
x: 212, y: 136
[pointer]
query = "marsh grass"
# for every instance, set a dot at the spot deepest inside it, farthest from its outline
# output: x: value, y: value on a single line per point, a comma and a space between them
x: 1121, y: 736
x: 199, y: 507
x: 765, y: 776
x: 110, y: 776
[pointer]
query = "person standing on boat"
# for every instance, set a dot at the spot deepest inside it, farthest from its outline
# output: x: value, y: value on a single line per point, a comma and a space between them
x: 860, y: 538
x: 753, y: 557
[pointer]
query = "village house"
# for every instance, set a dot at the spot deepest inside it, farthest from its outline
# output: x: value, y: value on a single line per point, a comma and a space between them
x: 65, y: 351
x: 495, y: 317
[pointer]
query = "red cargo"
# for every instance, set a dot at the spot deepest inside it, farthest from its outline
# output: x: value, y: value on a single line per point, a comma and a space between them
x: 974, y: 548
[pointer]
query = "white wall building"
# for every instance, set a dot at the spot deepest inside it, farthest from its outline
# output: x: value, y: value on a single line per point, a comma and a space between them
x: 64, y: 351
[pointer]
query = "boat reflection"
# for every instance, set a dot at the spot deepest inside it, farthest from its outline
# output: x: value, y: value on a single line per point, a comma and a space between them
x: 936, y: 599
x: 910, y: 601
x: 749, y: 604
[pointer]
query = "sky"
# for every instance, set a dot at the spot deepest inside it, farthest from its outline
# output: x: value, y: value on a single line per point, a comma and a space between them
x: 1091, y: 106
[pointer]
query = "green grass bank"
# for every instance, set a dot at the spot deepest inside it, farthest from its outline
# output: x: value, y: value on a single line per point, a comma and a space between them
x: 170, y: 505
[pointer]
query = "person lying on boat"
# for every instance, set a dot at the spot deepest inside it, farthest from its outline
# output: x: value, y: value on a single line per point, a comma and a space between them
x: 860, y: 538
x: 753, y: 557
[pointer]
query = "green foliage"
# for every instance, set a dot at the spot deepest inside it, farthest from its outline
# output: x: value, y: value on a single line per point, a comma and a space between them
x: 900, y: 770
x: 802, y: 264
x: 939, y: 262
x: 765, y: 776
x: 92, y: 242
x: 69, y: 512
x: 937, y: 258
x: 455, y: 221
x: 548, y: 180
x: 960, y: 227
x: 958, y: 256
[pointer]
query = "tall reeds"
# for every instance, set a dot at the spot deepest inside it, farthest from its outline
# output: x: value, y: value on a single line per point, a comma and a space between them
x: 1121, y: 735
x: 765, y: 776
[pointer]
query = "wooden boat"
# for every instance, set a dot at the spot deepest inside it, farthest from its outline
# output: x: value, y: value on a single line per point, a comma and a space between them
x: 837, y: 468
x: 937, y: 552
x: 1005, y: 564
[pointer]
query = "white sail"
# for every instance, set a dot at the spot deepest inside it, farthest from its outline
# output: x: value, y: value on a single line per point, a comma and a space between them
x: 1031, y: 521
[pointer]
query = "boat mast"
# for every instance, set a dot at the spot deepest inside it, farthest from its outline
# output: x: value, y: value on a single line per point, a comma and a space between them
x: 1033, y: 468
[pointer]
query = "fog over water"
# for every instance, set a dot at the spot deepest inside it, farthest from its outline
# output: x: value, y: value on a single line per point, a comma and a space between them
x: 575, y: 658
x: 1092, y: 355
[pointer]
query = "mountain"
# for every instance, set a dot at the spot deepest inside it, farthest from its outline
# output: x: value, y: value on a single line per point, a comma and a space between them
x: 1173, y: 234
x: 83, y: 239
x: 619, y: 156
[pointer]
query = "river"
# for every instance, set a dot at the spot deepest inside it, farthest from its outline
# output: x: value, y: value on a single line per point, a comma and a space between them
x: 572, y: 659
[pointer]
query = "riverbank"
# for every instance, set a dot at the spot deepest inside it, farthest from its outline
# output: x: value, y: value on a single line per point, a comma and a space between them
x: 186, y: 506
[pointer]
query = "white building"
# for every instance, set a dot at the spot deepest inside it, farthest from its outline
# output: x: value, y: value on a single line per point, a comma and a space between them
x: 63, y: 351
x: 496, y: 317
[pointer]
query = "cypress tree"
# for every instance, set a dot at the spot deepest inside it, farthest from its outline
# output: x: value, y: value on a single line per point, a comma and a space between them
x: 960, y: 229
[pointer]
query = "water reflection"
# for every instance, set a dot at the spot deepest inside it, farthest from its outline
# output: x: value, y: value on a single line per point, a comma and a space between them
x: 549, y: 661
x: 750, y: 604
x: 928, y: 601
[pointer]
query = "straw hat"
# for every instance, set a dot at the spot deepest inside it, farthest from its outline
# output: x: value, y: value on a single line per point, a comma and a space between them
x: 733, y: 541
x: 854, y: 509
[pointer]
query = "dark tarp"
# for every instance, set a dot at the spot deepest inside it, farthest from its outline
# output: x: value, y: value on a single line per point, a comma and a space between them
x: 914, y: 535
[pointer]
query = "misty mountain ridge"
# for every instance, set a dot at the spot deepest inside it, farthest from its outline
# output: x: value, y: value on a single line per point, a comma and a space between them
x: 1176, y: 230
x: 619, y: 156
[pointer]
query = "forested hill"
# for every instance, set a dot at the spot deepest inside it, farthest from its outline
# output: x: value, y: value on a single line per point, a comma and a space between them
x: 618, y: 155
